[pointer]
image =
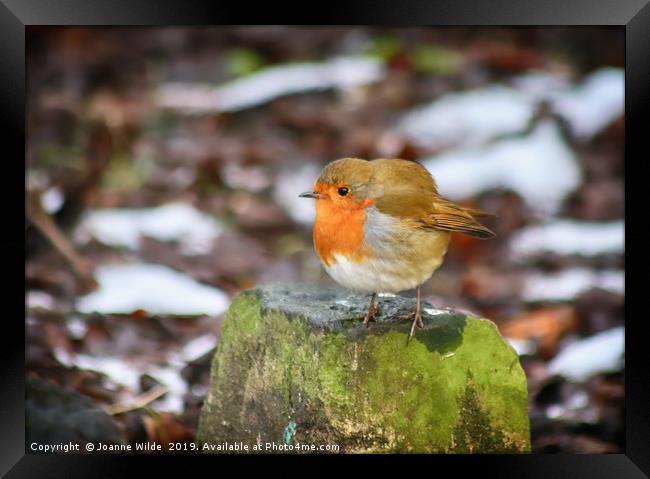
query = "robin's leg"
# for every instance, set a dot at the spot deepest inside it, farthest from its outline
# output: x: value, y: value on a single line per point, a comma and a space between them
x: 417, y: 320
x: 418, y: 310
x: 372, y: 310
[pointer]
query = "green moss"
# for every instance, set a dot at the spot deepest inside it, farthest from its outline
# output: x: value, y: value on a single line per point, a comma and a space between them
x: 436, y: 59
x: 243, y: 61
x: 243, y: 316
x: 405, y: 392
x: 474, y: 431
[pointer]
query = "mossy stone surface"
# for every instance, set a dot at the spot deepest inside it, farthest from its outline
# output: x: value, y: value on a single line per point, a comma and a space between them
x: 295, y: 365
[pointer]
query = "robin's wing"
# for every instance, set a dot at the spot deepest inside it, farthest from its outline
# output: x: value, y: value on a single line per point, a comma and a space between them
x: 447, y: 215
x: 434, y: 211
x: 477, y: 212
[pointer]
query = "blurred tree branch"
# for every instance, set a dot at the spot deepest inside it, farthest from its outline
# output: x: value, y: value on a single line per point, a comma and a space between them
x: 46, y: 225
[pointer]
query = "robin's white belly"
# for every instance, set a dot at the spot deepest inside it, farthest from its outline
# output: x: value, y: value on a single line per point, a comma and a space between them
x: 378, y: 275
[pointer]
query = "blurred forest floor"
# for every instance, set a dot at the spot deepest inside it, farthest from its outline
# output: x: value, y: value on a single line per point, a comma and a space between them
x: 160, y: 179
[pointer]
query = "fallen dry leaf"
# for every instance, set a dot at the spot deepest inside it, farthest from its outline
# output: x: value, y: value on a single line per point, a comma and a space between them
x: 546, y: 326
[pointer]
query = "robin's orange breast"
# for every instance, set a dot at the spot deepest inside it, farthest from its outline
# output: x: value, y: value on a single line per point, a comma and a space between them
x: 340, y: 230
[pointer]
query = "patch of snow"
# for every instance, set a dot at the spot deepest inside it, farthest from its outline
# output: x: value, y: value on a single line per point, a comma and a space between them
x: 523, y: 347
x: 468, y: 118
x: 197, y: 347
x: 52, y: 200
x: 555, y: 411
x: 246, y: 178
x: 594, y: 104
x: 598, y: 354
x: 172, y: 378
x: 39, y: 299
x: 181, y: 222
x: 473, y: 117
x: 118, y: 369
x: 157, y: 289
x: 77, y: 327
x: 289, y: 184
x: 540, y: 167
x: 538, y: 84
x: 578, y: 400
x: 258, y: 88
x: 435, y: 311
x: 128, y: 373
x: 568, y: 284
x: 199, y: 390
x: 569, y: 237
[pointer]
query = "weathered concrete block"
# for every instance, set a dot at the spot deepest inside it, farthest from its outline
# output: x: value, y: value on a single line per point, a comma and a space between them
x: 295, y: 365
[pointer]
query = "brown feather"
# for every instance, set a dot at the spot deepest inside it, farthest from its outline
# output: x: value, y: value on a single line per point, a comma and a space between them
x: 430, y: 210
x: 447, y: 215
x: 477, y: 212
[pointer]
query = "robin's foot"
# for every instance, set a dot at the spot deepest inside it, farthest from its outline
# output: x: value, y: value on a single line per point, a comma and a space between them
x: 412, y: 316
x: 417, y: 320
x: 372, y: 311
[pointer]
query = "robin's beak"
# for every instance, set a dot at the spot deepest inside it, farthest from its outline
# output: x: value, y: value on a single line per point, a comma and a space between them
x: 312, y: 194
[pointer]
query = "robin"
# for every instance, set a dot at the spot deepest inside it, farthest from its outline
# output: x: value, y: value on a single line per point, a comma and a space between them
x: 381, y: 226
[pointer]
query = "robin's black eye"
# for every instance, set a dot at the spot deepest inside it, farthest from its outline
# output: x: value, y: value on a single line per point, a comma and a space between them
x: 343, y: 191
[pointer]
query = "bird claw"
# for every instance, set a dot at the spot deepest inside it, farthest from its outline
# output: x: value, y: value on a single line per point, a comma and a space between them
x: 416, y: 316
x: 417, y: 321
x: 372, y: 311
x: 369, y: 316
x: 410, y: 317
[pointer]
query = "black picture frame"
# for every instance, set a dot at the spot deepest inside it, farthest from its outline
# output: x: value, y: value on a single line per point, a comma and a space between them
x: 17, y: 15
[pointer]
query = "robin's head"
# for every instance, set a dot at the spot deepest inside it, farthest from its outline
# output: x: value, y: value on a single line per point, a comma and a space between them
x: 350, y: 182
x: 345, y: 183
